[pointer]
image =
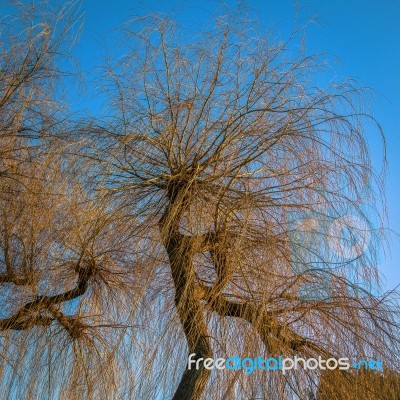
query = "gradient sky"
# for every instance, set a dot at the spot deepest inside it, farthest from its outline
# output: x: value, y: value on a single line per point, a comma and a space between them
x: 363, y: 35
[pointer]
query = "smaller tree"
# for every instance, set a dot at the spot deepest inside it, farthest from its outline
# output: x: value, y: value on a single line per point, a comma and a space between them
x: 365, y: 384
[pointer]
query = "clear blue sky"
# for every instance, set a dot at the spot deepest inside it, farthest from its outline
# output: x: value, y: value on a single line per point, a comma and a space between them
x: 363, y: 34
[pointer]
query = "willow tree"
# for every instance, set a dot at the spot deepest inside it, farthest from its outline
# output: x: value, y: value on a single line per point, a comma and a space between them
x: 51, y: 235
x: 255, y: 197
x: 205, y: 214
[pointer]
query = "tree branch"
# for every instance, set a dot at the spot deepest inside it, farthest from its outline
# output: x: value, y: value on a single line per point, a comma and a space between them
x: 24, y: 318
x: 275, y: 336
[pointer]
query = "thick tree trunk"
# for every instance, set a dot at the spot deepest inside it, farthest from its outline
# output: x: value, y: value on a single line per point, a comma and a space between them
x: 181, y: 249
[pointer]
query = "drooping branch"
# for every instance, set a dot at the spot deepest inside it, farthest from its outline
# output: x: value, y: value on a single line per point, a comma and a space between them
x: 27, y: 316
x: 273, y: 333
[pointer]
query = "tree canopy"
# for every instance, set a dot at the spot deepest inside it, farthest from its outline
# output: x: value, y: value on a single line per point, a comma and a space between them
x: 202, y: 215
